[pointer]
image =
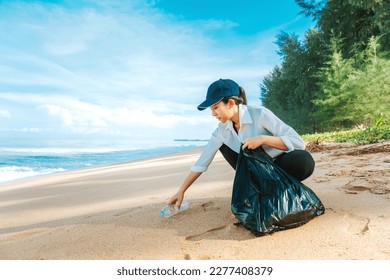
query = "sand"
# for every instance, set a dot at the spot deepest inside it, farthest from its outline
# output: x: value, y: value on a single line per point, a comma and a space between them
x: 113, y: 212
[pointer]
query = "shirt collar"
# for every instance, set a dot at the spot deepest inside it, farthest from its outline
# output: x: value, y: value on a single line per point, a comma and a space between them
x: 245, y: 117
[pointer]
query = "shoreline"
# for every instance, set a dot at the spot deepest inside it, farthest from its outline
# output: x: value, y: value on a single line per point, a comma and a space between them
x: 112, y: 212
x: 33, y: 177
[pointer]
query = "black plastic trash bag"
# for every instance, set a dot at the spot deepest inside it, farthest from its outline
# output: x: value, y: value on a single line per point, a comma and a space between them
x: 266, y: 199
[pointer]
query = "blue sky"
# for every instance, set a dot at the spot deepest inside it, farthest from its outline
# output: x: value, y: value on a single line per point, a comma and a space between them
x: 131, y: 69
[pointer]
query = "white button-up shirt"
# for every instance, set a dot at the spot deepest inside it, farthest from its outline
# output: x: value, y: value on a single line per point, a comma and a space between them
x: 254, y: 121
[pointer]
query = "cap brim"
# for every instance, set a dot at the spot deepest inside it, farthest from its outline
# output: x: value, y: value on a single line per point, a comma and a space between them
x: 207, y: 103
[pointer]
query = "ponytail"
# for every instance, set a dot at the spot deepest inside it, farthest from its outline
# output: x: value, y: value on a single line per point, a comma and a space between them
x: 238, y: 99
x: 243, y: 95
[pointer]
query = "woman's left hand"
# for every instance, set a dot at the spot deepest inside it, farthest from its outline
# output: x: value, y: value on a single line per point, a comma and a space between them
x: 253, y: 143
x: 272, y: 141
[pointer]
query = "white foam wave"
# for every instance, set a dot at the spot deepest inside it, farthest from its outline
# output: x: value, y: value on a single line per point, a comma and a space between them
x: 9, y: 173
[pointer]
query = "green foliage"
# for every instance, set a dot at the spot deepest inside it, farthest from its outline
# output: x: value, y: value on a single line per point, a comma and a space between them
x: 287, y: 89
x: 353, y: 23
x: 378, y: 131
x: 338, y: 76
x: 380, y: 18
x: 357, y: 136
x: 351, y: 95
x: 335, y: 95
x: 353, y: 20
x: 312, y: 8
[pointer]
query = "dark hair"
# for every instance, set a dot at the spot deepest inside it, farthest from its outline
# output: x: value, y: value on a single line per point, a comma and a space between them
x: 240, y: 99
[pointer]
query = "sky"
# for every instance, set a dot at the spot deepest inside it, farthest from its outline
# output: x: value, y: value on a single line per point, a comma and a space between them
x: 131, y: 69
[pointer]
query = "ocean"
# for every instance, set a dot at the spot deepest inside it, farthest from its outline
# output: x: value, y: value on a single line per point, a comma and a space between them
x: 22, y: 158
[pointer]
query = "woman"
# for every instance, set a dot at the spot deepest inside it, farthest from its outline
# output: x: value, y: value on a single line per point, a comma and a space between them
x: 242, y: 127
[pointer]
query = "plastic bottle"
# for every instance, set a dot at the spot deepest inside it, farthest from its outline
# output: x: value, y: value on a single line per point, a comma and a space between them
x: 170, y: 210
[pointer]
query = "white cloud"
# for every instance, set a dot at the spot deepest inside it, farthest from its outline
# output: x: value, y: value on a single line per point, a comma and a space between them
x: 214, y: 24
x: 103, y: 70
x: 77, y: 114
x: 4, y: 113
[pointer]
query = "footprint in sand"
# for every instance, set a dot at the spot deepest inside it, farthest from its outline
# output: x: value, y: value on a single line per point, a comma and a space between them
x: 340, y: 172
x: 321, y: 180
x: 231, y: 230
x: 209, y: 206
x: 207, y: 233
x: 356, y: 224
x: 380, y: 191
x: 355, y: 186
x: 375, y: 186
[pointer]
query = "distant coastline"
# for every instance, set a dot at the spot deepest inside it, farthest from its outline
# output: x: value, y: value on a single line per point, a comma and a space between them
x: 190, y: 140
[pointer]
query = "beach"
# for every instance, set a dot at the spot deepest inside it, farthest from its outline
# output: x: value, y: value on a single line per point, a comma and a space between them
x: 112, y: 212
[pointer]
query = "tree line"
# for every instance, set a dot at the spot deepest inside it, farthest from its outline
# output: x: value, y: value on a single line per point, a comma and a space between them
x: 338, y: 75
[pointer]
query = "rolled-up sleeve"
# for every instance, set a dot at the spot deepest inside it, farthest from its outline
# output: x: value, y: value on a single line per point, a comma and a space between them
x: 208, y: 154
x: 277, y: 127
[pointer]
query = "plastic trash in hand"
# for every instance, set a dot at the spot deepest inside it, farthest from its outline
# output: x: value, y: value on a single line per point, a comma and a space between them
x: 170, y: 210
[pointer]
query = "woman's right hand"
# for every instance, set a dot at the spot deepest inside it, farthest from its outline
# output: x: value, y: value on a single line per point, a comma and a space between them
x: 176, y: 199
x: 179, y: 196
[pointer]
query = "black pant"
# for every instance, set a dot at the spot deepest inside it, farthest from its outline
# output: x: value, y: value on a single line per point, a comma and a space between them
x: 298, y: 163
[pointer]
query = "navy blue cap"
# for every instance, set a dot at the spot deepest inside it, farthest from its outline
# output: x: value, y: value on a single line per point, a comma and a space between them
x: 217, y: 91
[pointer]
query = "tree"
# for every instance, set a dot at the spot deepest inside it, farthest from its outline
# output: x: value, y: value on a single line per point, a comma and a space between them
x: 312, y: 8
x: 289, y: 90
x: 338, y: 75
x: 373, y: 87
x: 350, y: 95
x: 336, y: 94
x: 355, y: 21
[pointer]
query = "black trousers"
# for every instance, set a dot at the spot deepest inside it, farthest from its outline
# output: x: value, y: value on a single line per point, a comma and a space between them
x: 298, y: 163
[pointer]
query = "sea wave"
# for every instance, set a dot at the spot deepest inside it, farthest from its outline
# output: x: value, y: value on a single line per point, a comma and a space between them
x: 93, y: 149
x: 21, y: 162
x: 8, y: 173
x: 60, y: 151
